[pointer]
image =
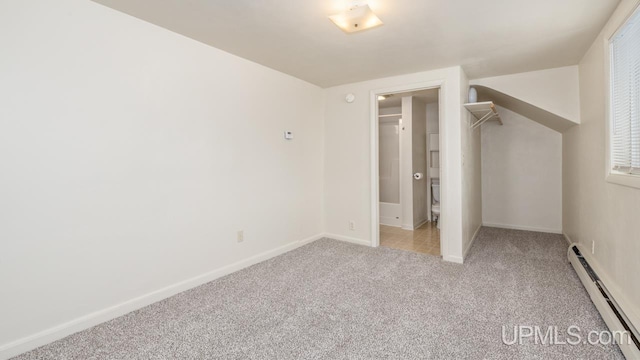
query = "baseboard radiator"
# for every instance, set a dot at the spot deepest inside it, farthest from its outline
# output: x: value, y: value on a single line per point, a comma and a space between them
x: 610, y: 311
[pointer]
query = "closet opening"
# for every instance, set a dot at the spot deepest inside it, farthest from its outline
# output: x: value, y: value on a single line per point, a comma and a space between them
x: 409, y: 170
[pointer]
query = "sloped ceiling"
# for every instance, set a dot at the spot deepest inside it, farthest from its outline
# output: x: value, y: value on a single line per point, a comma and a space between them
x: 530, y: 111
x: 488, y: 38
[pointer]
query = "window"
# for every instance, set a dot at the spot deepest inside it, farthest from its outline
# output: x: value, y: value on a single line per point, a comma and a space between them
x: 624, y: 130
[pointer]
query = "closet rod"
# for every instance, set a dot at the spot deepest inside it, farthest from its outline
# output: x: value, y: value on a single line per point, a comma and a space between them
x: 389, y: 115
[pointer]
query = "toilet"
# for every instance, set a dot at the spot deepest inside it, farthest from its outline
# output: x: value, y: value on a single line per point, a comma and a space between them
x: 435, y: 203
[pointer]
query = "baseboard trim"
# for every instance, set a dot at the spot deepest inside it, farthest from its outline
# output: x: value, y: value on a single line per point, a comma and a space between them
x: 393, y: 225
x: 47, y: 336
x: 631, y: 310
x: 412, y: 227
x: 348, y: 239
x: 421, y: 223
x: 475, y: 235
x: 453, y: 259
x: 389, y: 221
x: 525, y: 228
x: 567, y: 238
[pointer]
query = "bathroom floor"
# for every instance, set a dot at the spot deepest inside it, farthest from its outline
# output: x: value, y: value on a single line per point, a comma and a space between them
x: 425, y: 239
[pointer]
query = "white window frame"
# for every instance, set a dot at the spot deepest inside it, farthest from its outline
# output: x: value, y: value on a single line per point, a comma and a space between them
x: 613, y: 176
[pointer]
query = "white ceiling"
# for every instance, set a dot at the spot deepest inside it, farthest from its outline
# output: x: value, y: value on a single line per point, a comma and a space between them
x: 488, y: 37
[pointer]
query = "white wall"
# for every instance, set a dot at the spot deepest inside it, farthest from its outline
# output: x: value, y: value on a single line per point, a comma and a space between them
x: 130, y: 157
x: 471, y: 177
x: 389, y: 155
x: 594, y: 209
x: 406, y: 164
x: 389, y: 162
x: 348, y: 156
x: 390, y: 139
x: 413, y: 161
x: 433, y: 118
x: 521, y: 174
x: 390, y: 110
x: 389, y: 158
x: 433, y: 127
x: 419, y: 160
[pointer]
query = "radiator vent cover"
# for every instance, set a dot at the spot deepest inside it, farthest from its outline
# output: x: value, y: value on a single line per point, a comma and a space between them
x: 601, y: 297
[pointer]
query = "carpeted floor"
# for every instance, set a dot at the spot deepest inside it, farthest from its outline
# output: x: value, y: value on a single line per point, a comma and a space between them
x: 333, y: 300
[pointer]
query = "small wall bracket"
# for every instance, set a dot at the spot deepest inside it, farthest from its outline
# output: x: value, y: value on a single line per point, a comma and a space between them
x: 483, y: 112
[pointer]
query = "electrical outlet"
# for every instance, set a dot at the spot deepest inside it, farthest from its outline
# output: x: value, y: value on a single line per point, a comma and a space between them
x: 240, y: 236
x: 352, y: 225
x: 593, y: 247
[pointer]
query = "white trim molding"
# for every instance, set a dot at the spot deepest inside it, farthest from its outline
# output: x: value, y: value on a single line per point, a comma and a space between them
x: 631, y: 310
x: 60, y: 331
x: 348, y: 239
x: 453, y: 259
x: 475, y: 235
x: 623, y: 179
x: 521, y: 227
x: 610, y: 31
x: 375, y: 186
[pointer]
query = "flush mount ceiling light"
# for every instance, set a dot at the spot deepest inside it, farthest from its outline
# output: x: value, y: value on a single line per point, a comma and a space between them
x: 357, y: 18
x: 381, y: 97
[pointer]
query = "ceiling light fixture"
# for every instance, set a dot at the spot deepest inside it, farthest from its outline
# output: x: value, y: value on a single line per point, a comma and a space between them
x: 381, y: 97
x: 357, y: 18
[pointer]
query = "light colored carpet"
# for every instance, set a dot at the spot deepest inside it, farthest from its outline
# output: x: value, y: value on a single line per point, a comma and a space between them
x: 333, y: 300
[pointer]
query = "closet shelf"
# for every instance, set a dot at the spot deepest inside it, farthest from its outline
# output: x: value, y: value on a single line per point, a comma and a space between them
x: 483, y: 112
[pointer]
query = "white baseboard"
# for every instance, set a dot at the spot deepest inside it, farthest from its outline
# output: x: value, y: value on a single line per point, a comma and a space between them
x: 58, y: 332
x: 348, y: 239
x: 412, y: 227
x: 453, y: 259
x: 389, y: 221
x: 520, y: 227
x: 567, y: 238
x: 473, y: 238
x: 421, y: 223
x: 392, y: 225
x: 630, y: 309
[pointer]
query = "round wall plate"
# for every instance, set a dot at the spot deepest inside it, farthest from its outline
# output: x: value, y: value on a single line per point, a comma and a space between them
x: 350, y: 98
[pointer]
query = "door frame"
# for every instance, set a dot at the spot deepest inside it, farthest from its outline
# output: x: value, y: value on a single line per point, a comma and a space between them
x: 375, y: 171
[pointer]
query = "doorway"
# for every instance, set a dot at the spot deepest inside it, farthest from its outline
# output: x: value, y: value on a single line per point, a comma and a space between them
x: 408, y: 170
